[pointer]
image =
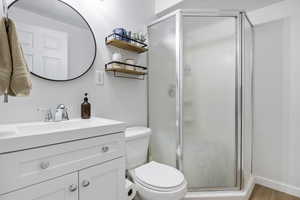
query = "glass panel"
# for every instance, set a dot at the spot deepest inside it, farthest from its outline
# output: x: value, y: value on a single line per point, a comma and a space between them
x: 162, y: 91
x: 209, y: 102
x: 247, y: 100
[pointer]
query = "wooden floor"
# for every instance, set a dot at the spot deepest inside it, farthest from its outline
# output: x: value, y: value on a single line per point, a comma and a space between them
x: 264, y: 193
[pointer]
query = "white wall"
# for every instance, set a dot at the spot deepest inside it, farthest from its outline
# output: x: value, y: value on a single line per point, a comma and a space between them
x: 277, y: 95
x: 270, y: 142
x: 121, y: 99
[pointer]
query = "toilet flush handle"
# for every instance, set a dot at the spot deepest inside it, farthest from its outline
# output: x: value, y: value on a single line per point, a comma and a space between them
x: 85, y: 183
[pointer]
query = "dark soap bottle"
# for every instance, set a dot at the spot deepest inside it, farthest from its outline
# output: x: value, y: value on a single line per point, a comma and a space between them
x: 85, y: 108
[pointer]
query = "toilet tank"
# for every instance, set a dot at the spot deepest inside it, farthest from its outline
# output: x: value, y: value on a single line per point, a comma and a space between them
x: 137, y: 142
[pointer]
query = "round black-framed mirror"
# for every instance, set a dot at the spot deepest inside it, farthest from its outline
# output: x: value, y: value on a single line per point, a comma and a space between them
x: 58, y: 42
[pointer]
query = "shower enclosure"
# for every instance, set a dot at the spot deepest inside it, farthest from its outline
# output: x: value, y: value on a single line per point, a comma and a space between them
x: 200, y: 96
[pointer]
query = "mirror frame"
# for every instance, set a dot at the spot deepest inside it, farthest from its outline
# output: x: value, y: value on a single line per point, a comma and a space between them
x: 94, y: 38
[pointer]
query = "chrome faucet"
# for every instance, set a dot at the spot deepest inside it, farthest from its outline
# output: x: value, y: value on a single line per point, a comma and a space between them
x: 61, y: 113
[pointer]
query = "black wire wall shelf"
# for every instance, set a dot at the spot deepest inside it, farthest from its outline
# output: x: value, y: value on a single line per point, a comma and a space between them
x: 125, y: 70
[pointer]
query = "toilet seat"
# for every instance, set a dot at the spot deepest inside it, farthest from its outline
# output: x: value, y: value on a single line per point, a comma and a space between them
x: 159, y: 177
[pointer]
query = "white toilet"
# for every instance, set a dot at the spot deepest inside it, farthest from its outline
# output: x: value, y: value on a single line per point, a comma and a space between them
x: 154, y: 181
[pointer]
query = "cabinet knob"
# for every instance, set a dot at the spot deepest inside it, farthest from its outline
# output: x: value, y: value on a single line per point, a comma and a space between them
x: 105, y: 149
x: 85, y: 183
x: 45, y: 165
x: 73, y: 188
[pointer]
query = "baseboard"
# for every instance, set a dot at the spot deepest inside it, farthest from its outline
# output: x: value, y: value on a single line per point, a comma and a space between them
x: 249, y: 188
x: 282, y: 187
x: 224, y: 195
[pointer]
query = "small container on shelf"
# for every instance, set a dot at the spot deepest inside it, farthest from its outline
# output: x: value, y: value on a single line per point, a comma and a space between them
x: 135, y: 37
x: 128, y: 36
x: 119, y: 33
x: 117, y: 58
x: 142, y: 37
x: 131, y: 63
x: 117, y: 66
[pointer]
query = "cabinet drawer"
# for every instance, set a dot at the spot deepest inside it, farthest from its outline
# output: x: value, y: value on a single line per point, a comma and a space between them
x: 27, y: 167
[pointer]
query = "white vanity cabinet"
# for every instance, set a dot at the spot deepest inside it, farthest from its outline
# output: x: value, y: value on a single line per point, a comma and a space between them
x: 104, y: 181
x: 85, y: 169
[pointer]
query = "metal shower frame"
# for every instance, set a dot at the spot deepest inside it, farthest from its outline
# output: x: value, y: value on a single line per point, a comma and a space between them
x: 240, y: 17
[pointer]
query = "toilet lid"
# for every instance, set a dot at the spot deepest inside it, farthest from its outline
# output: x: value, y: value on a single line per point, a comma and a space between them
x: 159, y: 175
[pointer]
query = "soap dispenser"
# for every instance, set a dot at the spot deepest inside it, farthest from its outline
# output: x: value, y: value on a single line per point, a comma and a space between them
x: 85, y: 108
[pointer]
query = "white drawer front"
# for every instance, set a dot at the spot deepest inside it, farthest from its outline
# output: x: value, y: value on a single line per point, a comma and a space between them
x: 27, y: 167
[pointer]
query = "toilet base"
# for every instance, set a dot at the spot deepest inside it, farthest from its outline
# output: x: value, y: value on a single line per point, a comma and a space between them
x: 144, y: 193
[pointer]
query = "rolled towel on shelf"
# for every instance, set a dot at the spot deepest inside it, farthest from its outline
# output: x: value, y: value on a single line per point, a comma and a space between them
x: 5, y: 59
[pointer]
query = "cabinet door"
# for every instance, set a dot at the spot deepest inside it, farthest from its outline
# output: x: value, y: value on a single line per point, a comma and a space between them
x: 63, y: 188
x: 105, y: 181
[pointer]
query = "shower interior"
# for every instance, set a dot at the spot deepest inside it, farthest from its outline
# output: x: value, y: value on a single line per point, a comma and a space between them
x: 200, y: 96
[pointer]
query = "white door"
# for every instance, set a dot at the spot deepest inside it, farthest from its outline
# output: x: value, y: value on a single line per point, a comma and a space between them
x: 63, y: 188
x: 27, y: 35
x: 53, y: 54
x: 46, y: 51
x: 105, y: 181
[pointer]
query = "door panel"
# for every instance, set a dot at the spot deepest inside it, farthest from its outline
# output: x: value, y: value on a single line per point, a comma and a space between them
x: 162, y: 91
x: 105, y: 181
x: 209, y: 102
x: 45, y: 50
x: 56, y: 189
x: 26, y: 37
x: 53, y: 48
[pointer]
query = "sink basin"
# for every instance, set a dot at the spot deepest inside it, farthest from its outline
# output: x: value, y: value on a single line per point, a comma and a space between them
x: 7, y: 133
x: 21, y: 136
x: 50, y: 127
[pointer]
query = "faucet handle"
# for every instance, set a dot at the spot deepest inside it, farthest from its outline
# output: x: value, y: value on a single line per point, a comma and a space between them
x: 61, y: 106
x: 48, y: 114
x: 65, y: 114
x: 64, y: 111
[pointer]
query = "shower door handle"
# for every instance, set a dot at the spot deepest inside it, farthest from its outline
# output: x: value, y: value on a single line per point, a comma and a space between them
x: 172, y: 90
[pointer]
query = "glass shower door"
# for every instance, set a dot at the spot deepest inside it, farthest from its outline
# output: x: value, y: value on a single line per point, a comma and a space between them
x: 162, y: 91
x: 210, y: 102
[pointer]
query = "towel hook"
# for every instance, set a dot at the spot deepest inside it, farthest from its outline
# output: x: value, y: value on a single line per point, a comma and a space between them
x: 5, y: 13
x: 5, y: 98
x: 5, y: 9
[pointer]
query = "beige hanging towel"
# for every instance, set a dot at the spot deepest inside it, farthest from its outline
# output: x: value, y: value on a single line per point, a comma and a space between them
x: 5, y: 59
x: 20, y: 83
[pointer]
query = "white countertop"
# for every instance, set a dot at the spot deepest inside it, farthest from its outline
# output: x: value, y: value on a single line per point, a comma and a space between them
x: 20, y: 136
